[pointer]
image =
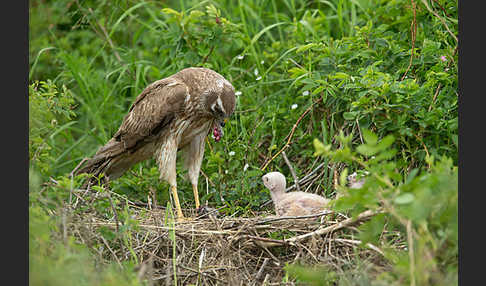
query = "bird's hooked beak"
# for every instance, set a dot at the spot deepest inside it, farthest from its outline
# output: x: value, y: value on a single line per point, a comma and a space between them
x: 218, y: 129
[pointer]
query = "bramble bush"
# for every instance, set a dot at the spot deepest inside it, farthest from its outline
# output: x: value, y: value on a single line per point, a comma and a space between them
x: 422, y: 205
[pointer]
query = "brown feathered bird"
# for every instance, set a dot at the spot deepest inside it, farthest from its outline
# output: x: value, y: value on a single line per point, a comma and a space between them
x: 171, y: 114
x: 292, y: 203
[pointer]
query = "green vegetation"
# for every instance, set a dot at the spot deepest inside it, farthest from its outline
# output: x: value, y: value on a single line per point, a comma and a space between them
x: 360, y: 85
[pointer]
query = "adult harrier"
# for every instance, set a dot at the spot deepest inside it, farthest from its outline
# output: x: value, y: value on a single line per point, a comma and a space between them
x: 171, y: 114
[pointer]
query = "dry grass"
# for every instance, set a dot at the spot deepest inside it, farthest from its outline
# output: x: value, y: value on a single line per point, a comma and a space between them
x: 216, y: 250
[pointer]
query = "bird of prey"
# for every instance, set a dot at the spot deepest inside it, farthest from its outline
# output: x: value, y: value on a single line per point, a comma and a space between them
x: 292, y: 203
x: 171, y: 114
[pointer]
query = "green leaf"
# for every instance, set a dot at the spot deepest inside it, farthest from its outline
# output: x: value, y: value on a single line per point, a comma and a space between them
x: 319, y: 89
x: 350, y: 115
x: 296, y: 72
x: 404, y: 199
x: 367, y: 150
x: 320, y: 148
x: 305, y: 47
x: 339, y: 75
x: 343, y: 178
x: 372, y: 229
x: 385, y: 142
x: 171, y: 11
x: 385, y: 155
x: 455, y: 139
x: 195, y: 14
x: 411, y: 175
x: 369, y: 137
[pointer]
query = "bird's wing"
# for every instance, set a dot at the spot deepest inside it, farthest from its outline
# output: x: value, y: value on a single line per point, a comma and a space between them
x: 153, y: 110
x: 289, y: 208
x: 300, y: 203
x: 314, y: 202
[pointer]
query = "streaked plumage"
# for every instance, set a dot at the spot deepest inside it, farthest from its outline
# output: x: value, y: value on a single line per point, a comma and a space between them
x: 171, y: 114
x: 292, y: 203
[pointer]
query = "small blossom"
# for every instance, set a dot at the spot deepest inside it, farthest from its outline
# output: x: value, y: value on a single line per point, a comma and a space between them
x: 245, y: 167
x: 238, y: 93
x: 226, y: 171
x: 443, y: 58
x: 256, y: 72
x: 240, y: 57
x: 305, y: 93
x: 258, y: 78
x: 294, y: 106
x: 231, y: 153
x: 262, y: 62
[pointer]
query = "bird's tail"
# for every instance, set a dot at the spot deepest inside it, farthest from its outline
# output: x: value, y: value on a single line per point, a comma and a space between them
x: 104, y: 161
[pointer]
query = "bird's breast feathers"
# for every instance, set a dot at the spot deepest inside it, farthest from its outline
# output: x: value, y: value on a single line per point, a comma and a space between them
x: 194, y: 128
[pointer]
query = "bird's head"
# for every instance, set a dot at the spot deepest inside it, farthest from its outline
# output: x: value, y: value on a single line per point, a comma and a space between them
x: 221, y: 104
x: 274, y: 181
x: 216, y: 95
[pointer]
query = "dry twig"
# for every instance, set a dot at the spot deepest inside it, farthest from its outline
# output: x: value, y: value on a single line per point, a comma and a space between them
x: 292, y: 171
x: 413, y: 31
x: 291, y: 134
x: 361, y: 217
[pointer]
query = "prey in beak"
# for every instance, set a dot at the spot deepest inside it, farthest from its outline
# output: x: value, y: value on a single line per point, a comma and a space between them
x: 218, y: 129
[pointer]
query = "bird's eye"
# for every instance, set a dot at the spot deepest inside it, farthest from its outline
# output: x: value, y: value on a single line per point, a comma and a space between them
x: 216, y: 109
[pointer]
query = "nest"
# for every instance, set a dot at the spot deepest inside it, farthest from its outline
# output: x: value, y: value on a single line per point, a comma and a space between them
x: 215, y: 250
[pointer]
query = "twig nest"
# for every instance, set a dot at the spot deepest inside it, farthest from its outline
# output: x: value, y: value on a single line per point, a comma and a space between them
x: 292, y: 203
x: 204, y: 211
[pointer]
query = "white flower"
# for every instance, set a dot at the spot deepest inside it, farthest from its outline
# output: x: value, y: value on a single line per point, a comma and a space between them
x: 258, y: 78
x: 294, y: 106
x: 231, y: 153
x: 262, y: 62
x: 240, y: 57
x: 238, y: 93
x: 256, y: 72
x: 245, y: 167
x: 305, y: 93
x: 226, y: 171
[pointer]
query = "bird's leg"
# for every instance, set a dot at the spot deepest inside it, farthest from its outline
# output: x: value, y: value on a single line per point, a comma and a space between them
x: 166, y: 158
x: 180, y: 216
x: 196, y: 195
x: 193, y: 159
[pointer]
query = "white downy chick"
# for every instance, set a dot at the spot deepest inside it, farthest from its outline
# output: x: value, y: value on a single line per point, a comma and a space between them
x: 292, y: 203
